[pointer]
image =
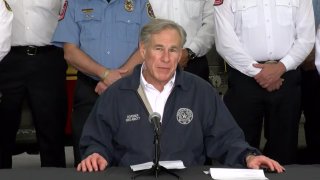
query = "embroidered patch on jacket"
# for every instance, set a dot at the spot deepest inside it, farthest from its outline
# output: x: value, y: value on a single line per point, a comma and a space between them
x: 7, y: 5
x: 63, y: 10
x: 150, y: 10
x: 217, y: 2
x: 184, y: 116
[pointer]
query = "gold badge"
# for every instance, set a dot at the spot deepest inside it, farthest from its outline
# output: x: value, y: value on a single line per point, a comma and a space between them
x: 7, y: 5
x: 87, y: 11
x: 128, y: 5
x: 150, y: 10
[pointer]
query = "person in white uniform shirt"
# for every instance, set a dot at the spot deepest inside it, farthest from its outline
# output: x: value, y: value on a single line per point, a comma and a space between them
x: 34, y: 70
x: 6, y: 16
x: 310, y: 102
x: 196, y: 18
x: 264, y: 41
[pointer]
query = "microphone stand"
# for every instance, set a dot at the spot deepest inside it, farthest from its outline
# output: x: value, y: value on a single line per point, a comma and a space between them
x: 156, y: 167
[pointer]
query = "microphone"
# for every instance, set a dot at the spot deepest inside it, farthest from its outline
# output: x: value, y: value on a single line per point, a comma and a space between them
x: 154, y: 118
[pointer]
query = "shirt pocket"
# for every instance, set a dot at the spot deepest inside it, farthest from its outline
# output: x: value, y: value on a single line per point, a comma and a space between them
x: 248, y: 10
x: 284, y: 10
x: 194, y: 7
x: 90, y: 23
x: 128, y: 27
x: 53, y: 5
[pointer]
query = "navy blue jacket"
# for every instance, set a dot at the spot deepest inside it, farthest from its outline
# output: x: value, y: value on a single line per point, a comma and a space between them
x: 195, y: 124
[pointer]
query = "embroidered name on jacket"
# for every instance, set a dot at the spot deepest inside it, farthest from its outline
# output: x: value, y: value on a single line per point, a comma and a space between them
x: 132, y: 117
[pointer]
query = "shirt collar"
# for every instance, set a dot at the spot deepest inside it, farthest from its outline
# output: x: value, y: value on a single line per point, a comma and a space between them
x: 145, y: 84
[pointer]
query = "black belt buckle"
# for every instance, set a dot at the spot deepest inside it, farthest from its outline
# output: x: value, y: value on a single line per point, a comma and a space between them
x: 32, y: 50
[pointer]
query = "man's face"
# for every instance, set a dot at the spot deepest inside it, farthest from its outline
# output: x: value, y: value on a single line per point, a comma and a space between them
x: 161, y: 55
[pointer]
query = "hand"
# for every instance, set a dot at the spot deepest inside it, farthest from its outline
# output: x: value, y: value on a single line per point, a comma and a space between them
x: 269, y: 74
x: 100, y: 88
x: 275, y: 86
x: 94, y: 162
x: 114, y: 75
x: 184, y: 59
x: 256, y: 162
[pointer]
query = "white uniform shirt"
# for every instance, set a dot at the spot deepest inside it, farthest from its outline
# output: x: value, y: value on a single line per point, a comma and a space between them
x: 157, y: 99
x: 317, y: 61
x: 195, y: 16
x: 34, y: 21
x: 5, y: 29
x: 248, y: 31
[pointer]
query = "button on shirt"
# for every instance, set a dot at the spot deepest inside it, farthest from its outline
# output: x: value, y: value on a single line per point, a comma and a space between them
x: 107, y: 32
x: 157, y: 99
x: 249, y: 31
x: 5, y: 29
x: 195, y: 16
x: 34, y: 21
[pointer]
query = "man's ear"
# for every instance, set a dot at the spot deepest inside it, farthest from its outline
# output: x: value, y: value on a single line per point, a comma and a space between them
x: 180, y: 56
x: 142, y: 50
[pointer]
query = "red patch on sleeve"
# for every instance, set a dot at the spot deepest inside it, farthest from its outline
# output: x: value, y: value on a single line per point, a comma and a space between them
x: 63, y: 10
x: 217, y: 2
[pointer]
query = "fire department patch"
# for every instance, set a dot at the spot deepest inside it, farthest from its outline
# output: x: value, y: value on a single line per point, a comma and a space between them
x: 184, y: 116
x: 7, y: 5
x: 63, y: 10
x: 150, y: 10
x: 217, y: 2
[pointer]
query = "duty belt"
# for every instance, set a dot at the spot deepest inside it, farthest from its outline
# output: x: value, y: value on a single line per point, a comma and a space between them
x: 32, y: 50
x: 269, y: 62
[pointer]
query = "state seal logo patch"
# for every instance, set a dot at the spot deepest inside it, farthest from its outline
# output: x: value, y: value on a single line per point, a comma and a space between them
x: 184, y: 116
x: 217, y: 2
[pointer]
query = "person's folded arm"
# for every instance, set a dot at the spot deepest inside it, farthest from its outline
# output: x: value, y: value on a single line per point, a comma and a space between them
x: 228, y: 44
x: 203, y: 40
x: 305, y: 36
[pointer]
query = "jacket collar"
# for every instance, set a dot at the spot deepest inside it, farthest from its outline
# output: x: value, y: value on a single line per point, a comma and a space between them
x: 132, y: 82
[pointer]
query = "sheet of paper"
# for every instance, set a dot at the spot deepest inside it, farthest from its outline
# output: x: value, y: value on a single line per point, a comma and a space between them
x: 237, y: 174
x: 167, y: 164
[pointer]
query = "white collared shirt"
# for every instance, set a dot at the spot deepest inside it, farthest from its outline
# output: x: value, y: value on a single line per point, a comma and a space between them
x: 317, y: 61
x: 5, y: 29
x: 157, y: 99
x: 195, y: 16
x: 34, y: 21
x: 248, y: 31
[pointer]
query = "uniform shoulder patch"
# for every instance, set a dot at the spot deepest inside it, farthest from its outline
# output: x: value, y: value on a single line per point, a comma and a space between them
x: 7, y: 5
x: 63, y: 10
x: 217, y: 2
x: 150, y: 10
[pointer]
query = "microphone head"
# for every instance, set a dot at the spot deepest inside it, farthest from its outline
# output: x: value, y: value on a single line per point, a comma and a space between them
x: 154, y: 115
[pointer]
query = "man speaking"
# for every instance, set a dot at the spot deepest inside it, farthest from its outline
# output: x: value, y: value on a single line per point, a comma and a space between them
x: 195, y: 123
